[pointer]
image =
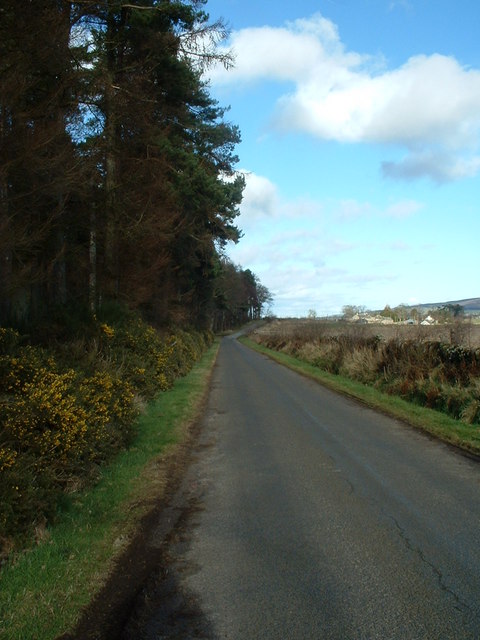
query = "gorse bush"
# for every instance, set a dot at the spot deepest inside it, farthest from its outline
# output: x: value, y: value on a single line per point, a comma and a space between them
x: 65, y: 411
x: 109, y: 404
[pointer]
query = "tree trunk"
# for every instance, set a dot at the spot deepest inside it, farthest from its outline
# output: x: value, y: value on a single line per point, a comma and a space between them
x: 111, y: 214
x: 92, y: 275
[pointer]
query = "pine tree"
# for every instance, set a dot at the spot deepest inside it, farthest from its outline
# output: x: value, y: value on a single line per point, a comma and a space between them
x: 116, y: 166
x: 37, y: 156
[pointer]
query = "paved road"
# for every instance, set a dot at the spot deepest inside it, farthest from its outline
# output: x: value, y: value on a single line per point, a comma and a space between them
x: 317, y: 518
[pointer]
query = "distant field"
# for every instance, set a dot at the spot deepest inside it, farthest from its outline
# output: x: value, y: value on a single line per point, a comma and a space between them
x: 466, y: 334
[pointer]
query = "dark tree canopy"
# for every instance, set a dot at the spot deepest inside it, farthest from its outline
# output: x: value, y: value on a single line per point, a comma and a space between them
x: 117, y: 168
x: 239, y: 296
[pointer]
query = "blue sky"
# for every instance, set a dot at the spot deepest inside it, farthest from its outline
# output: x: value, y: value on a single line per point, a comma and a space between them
x: 360, y: 123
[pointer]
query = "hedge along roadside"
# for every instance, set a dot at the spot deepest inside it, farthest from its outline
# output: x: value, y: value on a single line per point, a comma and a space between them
x: 454, y: 432
x: 69, y: 406
x: 44, y: 590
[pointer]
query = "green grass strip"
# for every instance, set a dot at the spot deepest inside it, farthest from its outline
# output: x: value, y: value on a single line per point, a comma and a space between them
x: 460, y: 434
x: 43, y: 590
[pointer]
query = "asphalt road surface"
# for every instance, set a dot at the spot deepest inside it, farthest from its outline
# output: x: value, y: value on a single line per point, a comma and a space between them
x: 314, y: 517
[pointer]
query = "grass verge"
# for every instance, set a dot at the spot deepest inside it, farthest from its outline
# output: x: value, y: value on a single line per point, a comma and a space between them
x: 454, y: 432
x: 43, y: 590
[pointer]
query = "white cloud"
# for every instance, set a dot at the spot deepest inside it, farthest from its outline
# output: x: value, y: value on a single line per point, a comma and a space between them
x: 260, y: 197
x: 399, y: 246
x: 294, y: 53
x: 349, y: 210
x: 403, y: 209
x: 352, y: 209
x: 430, y: 105
x: 429, y: 100
x: 438, y: 166
x: 403, y: 4
x: 262, y: 201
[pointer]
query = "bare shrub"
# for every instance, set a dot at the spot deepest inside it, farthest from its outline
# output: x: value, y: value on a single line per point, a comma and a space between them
x: 288, y: 347
x: 361, y: 364
x: 310, y: 352
x: 430, y: 393
x: 312, y: 330
x: 471, y: 413
x: 331, y: 356
x: 456, y: 400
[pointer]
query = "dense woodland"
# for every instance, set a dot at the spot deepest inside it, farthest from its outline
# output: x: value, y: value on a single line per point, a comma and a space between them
x: 117, y: 168
x: 118, y: 196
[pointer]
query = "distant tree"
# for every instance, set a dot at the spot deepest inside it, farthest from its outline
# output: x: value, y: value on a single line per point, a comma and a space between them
x: 312, y: 314
x: 239, y: 296
x: 401, y: 312
x: 449, y: 313
x: 458, y: 311
x: 415, y: 314
x: 349, y: 310
x: 264, y: 297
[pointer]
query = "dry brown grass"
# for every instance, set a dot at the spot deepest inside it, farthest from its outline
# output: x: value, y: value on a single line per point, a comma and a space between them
x: 361, y: 364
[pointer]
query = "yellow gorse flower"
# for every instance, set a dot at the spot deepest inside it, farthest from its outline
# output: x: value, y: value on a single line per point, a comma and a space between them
x: 7, y: 458
x: 107, y: 330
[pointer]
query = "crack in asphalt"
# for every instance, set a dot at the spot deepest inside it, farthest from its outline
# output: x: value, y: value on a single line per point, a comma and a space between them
x: 462, y: 605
